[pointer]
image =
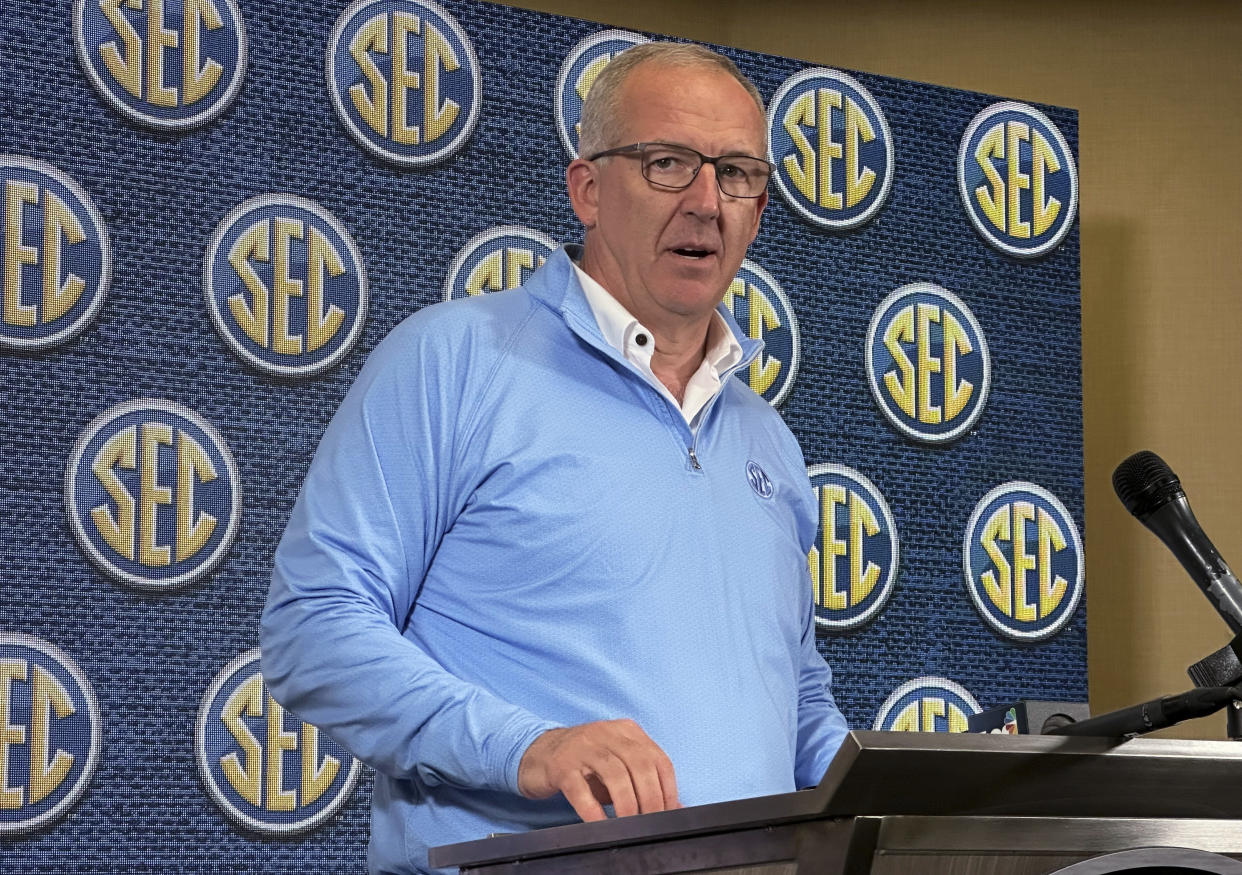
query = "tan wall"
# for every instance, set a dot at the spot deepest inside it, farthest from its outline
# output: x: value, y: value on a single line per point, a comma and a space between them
x: 1158, y: 88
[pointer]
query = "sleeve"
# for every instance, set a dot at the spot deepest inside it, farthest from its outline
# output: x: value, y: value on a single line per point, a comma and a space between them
x: 381, y: 492
x: 821, y: 725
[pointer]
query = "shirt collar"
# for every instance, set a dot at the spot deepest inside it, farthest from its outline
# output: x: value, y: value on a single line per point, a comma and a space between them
x: 633, y: 340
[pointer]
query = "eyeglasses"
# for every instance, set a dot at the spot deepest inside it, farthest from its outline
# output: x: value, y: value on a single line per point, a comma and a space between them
x: 676, y: 167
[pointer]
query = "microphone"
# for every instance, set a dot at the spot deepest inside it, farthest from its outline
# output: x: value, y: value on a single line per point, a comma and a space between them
x: 1150, y: 716
x: 1151, y: 492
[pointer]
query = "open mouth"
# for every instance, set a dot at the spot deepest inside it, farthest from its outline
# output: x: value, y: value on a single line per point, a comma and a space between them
x: 693, y: 253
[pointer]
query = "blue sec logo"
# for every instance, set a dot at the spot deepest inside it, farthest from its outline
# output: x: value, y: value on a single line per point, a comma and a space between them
x: 927, y: 363
x: 759, y: 480
x: 1017, y: 179
x: 404, y: 80
x: 167, y: 64
x: 853, y: 562
x: 832, y: 148
x: 266, y: 769
x: 57, y: 257
x: 760, y: 306
x: 152, y: 494
x: 52, y: 733
x: 285, y: 285
x: 927, y: 704
x: 578, y: 72
x: 499, y: 258
x: 1023, y: 561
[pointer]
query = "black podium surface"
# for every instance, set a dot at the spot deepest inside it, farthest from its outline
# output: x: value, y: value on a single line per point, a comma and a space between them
x: 933, y: 800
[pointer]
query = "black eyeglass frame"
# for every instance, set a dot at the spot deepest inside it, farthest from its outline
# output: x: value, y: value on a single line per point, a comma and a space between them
x: 640, y: 148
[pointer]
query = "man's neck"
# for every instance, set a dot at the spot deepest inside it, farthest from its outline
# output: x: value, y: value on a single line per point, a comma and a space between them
x: 680, y: 342
x: 674, y: 363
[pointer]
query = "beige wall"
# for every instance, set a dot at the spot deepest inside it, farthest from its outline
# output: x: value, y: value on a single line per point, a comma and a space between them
x: 1158, y: 88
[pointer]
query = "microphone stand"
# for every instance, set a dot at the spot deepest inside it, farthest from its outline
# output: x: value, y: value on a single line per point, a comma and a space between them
x: 1223, y: 669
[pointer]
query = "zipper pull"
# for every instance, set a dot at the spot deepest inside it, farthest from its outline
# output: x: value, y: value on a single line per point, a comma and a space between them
x: 694, y: 460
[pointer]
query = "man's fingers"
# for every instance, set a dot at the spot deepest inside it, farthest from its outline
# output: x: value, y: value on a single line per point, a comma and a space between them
x: 594, y: 764
x: 614, y: 773
x: 668, y: 783
x: 582, y: 799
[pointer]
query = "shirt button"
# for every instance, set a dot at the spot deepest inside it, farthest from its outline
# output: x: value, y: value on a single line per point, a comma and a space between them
x: 641, y: 339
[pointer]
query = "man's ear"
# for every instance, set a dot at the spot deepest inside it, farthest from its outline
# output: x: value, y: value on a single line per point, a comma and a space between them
x: 583, y: 190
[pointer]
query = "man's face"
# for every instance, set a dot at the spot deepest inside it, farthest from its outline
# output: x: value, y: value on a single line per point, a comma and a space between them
x: 668, y: 256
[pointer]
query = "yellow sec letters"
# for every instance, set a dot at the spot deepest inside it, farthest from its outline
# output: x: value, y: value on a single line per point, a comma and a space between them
x: 765, y: 313
x: 50, y: 733
x: 264, y: 768
x: 285, y: 285
x: 391, y: 67
x: 1023, y: 561
x: 832, y: 148
x: 928, y: 363
x: 1017, y: 179
x: 853, y: 561
x: 55, y: 252
x: 163, y: 64
x: 927, y: 704
x: 172, y: 500
x: 499, y: 258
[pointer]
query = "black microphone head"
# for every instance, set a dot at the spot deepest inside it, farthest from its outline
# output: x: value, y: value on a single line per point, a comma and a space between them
x: 1144, y: 482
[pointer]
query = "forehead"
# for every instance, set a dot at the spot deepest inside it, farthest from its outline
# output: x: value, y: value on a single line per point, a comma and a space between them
x: 699, y: 106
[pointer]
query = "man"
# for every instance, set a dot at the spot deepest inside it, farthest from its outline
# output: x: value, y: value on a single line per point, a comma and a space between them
x: 550, y: 556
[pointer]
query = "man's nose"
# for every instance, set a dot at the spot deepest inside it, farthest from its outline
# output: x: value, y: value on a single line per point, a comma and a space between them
x: 702, y: 197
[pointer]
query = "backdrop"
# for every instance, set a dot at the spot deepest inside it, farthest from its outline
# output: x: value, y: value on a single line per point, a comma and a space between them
x: 213, y: 213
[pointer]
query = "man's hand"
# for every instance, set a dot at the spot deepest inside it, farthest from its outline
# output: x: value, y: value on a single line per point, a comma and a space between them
x: 594, y: 764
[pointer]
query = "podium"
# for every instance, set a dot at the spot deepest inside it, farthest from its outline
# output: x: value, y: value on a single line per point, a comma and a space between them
x: 897, y: 803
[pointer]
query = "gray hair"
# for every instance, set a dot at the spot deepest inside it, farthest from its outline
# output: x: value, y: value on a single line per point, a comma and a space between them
x: 601, y: 114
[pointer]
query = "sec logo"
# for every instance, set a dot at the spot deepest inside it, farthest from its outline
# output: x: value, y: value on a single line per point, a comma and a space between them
x: 927, y: 704
x: 854, y: 560
x: 927, y: 363
x: 1023, y: 561
x: 581, y: 66
x: 832, y: 149
x: 404, y: 80
x: 285, y: 285
x: 1017, y: 179
x: 496, y: 259
x: 57, y: 256
x: 760, y: 306
x: 166, y: 64
x: 152, y: 494
x: 51, y: 734
x: 266, y: 769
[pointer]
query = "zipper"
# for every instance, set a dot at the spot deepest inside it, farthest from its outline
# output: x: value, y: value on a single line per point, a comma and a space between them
x: 694, y: 460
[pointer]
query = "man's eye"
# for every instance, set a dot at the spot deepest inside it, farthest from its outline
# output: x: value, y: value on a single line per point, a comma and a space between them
x: 667, y: 162
x: 731, y: 171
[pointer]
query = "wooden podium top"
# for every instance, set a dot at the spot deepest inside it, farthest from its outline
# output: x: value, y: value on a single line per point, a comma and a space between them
x: 941, y: 774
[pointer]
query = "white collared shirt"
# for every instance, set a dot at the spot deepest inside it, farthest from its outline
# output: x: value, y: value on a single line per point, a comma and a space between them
x: 634, y: 341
